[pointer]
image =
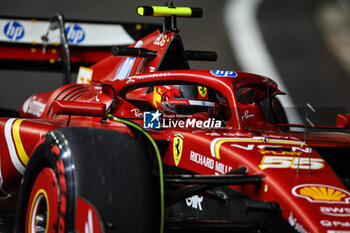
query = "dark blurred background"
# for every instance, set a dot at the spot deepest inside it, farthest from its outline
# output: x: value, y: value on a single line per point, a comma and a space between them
x: 302, y: 44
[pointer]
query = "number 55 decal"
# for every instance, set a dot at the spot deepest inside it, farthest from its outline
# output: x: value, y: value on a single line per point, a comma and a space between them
x: 291, y: 162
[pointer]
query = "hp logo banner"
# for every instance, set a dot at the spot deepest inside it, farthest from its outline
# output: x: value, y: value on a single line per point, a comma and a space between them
x: 223, y: 73
x: 14, y: 30
x: 75, y: 34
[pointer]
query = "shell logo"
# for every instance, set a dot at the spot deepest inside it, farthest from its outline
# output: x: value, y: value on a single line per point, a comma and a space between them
x: 321, y: 193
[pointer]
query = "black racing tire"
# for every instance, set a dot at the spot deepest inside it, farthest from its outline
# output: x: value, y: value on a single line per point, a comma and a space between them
x: 110, y: 170
x: 40, y: 186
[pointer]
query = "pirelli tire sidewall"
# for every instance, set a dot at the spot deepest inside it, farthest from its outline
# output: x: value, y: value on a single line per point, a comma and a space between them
x: 48, y: 155
x: 108, y: 169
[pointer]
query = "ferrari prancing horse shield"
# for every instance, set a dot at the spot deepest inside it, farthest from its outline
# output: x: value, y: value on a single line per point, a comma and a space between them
x: 177, y: 149
x: 203, y: 91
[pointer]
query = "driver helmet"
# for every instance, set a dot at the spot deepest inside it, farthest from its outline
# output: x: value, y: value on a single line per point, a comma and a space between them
x: 185, y: 99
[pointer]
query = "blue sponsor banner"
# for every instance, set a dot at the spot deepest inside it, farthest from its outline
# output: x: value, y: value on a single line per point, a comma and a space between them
x: 124, y: 70
x: 223, y: 73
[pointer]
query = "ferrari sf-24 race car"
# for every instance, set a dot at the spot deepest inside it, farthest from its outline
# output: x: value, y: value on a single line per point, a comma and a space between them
x: 142, y: 143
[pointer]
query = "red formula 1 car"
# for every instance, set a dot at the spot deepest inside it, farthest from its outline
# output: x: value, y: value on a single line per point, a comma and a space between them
x: 142, y: 143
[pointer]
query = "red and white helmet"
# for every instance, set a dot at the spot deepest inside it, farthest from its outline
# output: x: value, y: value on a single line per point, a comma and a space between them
x: 184, y: 99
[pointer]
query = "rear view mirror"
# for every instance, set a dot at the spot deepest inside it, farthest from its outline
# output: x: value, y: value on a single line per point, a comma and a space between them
x: 343, y: 121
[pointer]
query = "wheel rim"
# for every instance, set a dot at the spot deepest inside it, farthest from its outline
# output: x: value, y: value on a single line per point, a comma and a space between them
x: 42, y: 211
x: 39, y: 212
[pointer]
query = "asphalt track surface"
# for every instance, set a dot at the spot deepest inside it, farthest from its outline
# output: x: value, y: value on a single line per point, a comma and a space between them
x: 293, y: 39
x: 306, y: 64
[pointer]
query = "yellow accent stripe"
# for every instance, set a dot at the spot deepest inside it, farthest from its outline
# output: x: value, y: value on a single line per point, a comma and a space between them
x: 40, y: 191
x: 218, y: 144
x: 17, y: 139
x: 157, y: 96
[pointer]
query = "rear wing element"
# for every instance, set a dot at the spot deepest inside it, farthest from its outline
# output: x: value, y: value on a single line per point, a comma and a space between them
x: 31, y: 31
x: 27, y: 43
